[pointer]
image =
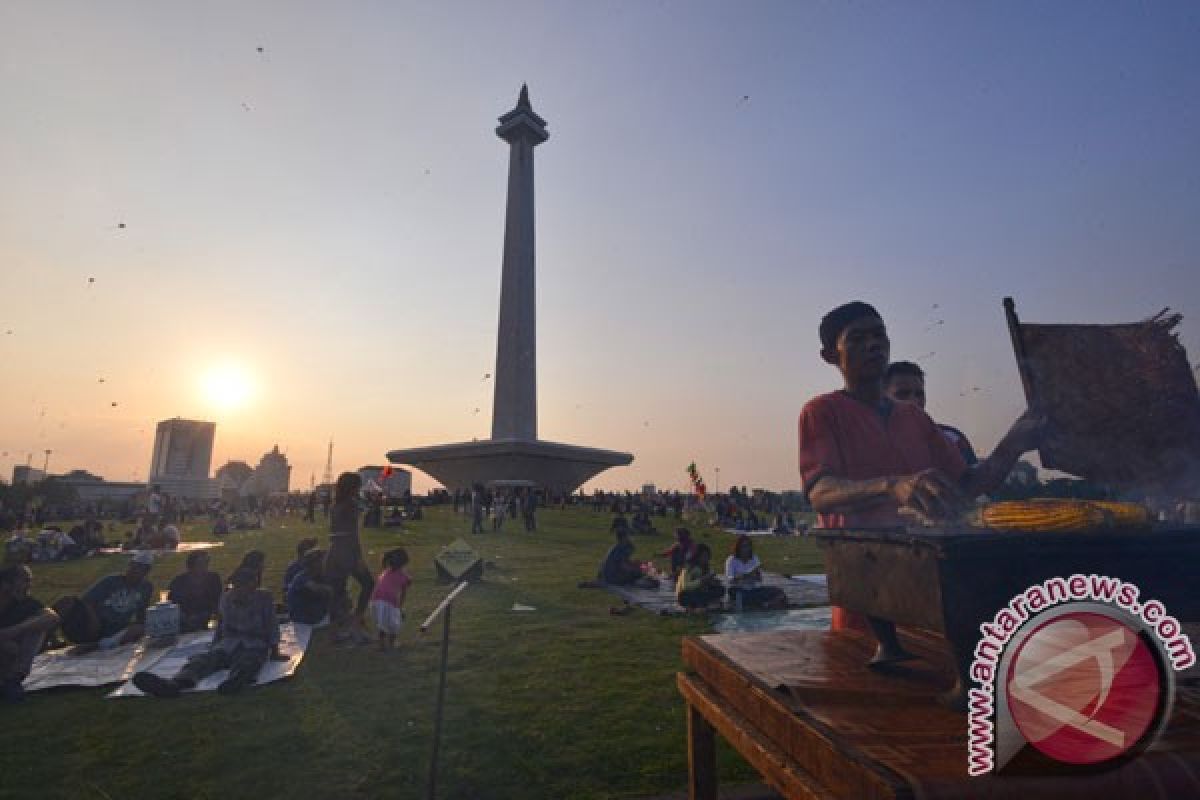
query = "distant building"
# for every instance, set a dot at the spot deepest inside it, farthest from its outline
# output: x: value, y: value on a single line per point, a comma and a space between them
x: 182, y: 458
x: 91, y: 488
x: 394, y: 485
x: 26, y: 475
x: 233, y: 476
x: 273, y: 474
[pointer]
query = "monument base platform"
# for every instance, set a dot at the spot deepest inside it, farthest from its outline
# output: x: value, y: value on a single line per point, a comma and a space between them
x: 803, y: 709
x: 551, y: 465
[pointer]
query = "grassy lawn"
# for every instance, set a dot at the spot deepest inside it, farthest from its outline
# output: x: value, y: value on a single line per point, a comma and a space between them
x: 564, y: 702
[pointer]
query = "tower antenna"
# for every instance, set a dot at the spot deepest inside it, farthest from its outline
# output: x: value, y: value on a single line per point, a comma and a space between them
x: 327, y: 478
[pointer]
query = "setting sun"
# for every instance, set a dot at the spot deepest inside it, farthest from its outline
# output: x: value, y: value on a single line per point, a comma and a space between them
x: 227, y: 386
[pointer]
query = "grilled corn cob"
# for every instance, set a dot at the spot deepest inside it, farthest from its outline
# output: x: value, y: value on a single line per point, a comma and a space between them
x: 1125, y: 514
x: 1042, y: 515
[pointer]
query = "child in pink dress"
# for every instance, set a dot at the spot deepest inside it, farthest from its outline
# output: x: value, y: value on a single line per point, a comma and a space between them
x: 387, y: 600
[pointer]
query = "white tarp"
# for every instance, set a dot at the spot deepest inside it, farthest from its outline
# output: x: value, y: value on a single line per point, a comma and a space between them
x: 103, y: 667
x: 97, y: 668
x: 184, y: 547
x: 293, y: 641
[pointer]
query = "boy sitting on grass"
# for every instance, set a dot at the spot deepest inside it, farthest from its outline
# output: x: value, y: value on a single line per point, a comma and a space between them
x: 247, y: 635
x: 308, y: 596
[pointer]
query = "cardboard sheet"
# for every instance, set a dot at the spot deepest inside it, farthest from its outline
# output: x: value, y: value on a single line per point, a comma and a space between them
x: 184, y: 547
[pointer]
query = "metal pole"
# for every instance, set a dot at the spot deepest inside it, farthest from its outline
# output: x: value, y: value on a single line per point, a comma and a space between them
x: 437, y: 714
x: 442, y: 608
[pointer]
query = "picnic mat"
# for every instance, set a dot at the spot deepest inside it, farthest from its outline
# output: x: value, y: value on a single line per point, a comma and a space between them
x: 803, y: 591
x: 102, y: 667
x: 293, y: 641
x: 794, y: 619
x: 184, y: 547
x: 97, y: 668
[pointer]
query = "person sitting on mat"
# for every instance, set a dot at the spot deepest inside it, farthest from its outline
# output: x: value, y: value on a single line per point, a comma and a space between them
x: 111, y: 612
x: 247, y: 636
x: 619, y: 568
x: 743, y: 574
x: 24, y: 623
x: 308, y: 595
x: 197, y: 592
x: 681, y: 551
x: 697, y: 586
x: 293, y: 569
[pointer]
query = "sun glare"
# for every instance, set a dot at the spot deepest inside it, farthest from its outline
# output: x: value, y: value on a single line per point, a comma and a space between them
x: 227, y: 386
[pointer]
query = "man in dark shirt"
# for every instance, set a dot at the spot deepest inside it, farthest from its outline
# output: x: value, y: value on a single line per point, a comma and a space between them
x: 24, y: 623
x: 110, y: 613
x: 293, y: 569
x: 308, y: 597
x: 197, y: 593
x: 247, y: 635
x: 904, y: 382
x: 619, y: 568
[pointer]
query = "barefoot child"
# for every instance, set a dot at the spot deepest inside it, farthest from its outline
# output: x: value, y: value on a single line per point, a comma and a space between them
x: 387, y: 600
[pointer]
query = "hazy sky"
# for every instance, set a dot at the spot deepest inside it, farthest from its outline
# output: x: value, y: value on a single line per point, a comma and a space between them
x: 327, y: 214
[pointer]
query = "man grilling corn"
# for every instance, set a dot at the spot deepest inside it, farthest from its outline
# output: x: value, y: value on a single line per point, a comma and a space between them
x: 864, y: 457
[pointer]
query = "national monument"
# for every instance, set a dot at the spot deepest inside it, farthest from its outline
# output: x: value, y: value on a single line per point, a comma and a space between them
x: 514, y: 456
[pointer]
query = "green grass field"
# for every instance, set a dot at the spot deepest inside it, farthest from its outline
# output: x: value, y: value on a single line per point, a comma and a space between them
x: 564, y: 702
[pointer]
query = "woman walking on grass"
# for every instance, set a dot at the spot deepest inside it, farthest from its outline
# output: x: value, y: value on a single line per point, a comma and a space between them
x: 345, y: 561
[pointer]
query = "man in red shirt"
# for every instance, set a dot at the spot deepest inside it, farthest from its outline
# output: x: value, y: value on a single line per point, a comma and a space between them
x: 864, y: 457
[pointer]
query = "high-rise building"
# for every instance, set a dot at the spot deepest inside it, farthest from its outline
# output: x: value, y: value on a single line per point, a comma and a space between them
x: 182, y: 458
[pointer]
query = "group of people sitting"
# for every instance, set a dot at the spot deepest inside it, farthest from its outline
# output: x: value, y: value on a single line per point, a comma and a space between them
x: 696, y: 585
x: 53, y: 544
x: 152, y: 534
x: 640, y: 524
x: 223, y: 524
x: 112, y: 612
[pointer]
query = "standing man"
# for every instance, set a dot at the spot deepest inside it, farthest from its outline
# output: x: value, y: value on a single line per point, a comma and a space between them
x: 24, y: 623
x: 154, y: 503
x: 529, y: 510
x: 477, y: 510
x: 863, y: 457
x: 904, y: 382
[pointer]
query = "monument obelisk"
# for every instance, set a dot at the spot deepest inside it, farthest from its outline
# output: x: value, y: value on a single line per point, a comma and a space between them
x: 514, y: 408
x: 514, y: 455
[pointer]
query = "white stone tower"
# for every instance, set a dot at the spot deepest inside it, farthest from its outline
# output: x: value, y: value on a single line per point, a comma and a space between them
x: 514, y: 456
x: 514, y: 409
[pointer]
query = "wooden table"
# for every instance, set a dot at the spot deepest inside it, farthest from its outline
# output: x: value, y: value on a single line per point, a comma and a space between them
x: 802, y: 709
x: 949, y: 581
